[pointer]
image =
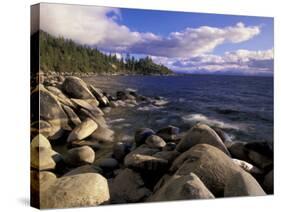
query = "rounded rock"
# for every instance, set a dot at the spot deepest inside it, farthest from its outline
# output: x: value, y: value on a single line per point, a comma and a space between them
x: 201, y: 134
x: 80, y: 156
x: 83, y: 130
x: 80, y: 190
x: 155, y: 141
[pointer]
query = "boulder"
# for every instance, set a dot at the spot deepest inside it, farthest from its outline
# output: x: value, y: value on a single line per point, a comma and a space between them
x: 142, y: 134
x: 99, y: 95
x: 242, y: 184
x: 268, y: 182
x: 41, y: 181
x: 201, y: 134
x: 44, y: 159
x: 209, y: 163
x: 90, y: 107
x: 89, y: 189
x: 40, y: 141
x: 102, y: 134
x: 60, y: 96
x: 71, y: 115
x: 155, y: 141
x: 80, y: 156
x: 182, y: 188
x: 128, y: 187
x: 74, y: 87
x: 83, y: 130
x: 169, y: 133
x: 52, y: 112
x: 83, y: 169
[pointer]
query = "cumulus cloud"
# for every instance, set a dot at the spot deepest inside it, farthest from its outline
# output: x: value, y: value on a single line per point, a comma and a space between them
x: 87, y: 25
x: 240, y: 61
x: 195, y: 41
x: 98, y: 26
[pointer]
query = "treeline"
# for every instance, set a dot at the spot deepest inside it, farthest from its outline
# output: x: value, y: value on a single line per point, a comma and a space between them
x: 64, y: 55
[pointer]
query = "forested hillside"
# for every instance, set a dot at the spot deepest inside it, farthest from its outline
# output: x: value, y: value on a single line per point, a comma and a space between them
x: 64, y: 55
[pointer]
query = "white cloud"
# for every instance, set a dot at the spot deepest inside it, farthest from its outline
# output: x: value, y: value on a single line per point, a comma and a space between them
x: 98, y: 26
x: 195, y: 41
x: 240, y: 61
x: 87, y: 25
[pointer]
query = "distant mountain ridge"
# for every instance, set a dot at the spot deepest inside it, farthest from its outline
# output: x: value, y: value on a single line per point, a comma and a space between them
x: 64, y: 55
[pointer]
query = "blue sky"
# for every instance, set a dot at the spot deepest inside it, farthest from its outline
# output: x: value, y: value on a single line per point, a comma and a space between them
x: 163, y: 22
x: 184, y: 42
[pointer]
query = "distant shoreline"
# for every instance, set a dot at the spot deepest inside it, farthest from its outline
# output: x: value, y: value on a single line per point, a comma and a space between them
x: 160, y: 75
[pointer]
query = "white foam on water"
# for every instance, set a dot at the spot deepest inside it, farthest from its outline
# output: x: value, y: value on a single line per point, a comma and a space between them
x: 116, y: 120
x: 160, y: 102
x: 200, y: 118
x: 149, y: 108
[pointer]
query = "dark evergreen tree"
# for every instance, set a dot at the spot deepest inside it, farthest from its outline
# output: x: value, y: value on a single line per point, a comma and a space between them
x: 64, y: 55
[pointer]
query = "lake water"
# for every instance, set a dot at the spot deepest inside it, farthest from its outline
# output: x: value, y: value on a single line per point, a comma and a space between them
x: 241, y: 106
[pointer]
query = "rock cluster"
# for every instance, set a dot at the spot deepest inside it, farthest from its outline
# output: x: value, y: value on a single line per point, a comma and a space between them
x: 161, y: 165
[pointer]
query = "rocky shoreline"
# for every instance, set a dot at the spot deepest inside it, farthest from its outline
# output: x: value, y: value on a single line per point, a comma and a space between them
x: 157, y: 165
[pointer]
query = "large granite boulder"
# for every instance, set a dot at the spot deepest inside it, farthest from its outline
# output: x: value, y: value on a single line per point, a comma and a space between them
x: 52, y: 112
x: 75, y: 87
x: 242, y: 184
x: 89, y: 189
x: 83, y: 130
x: 128, y: 187
x: 182, y: 188
x: 201, y: 134
x: 44, y: 159
x: 209, y: 163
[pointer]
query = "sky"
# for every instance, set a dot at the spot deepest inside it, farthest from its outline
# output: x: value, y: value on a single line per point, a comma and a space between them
x: 185, y: 42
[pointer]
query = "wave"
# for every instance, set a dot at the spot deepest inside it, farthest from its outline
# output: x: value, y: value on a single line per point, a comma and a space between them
x: 115, y: 121
x: 149, y: 108
x: 200, y: 118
